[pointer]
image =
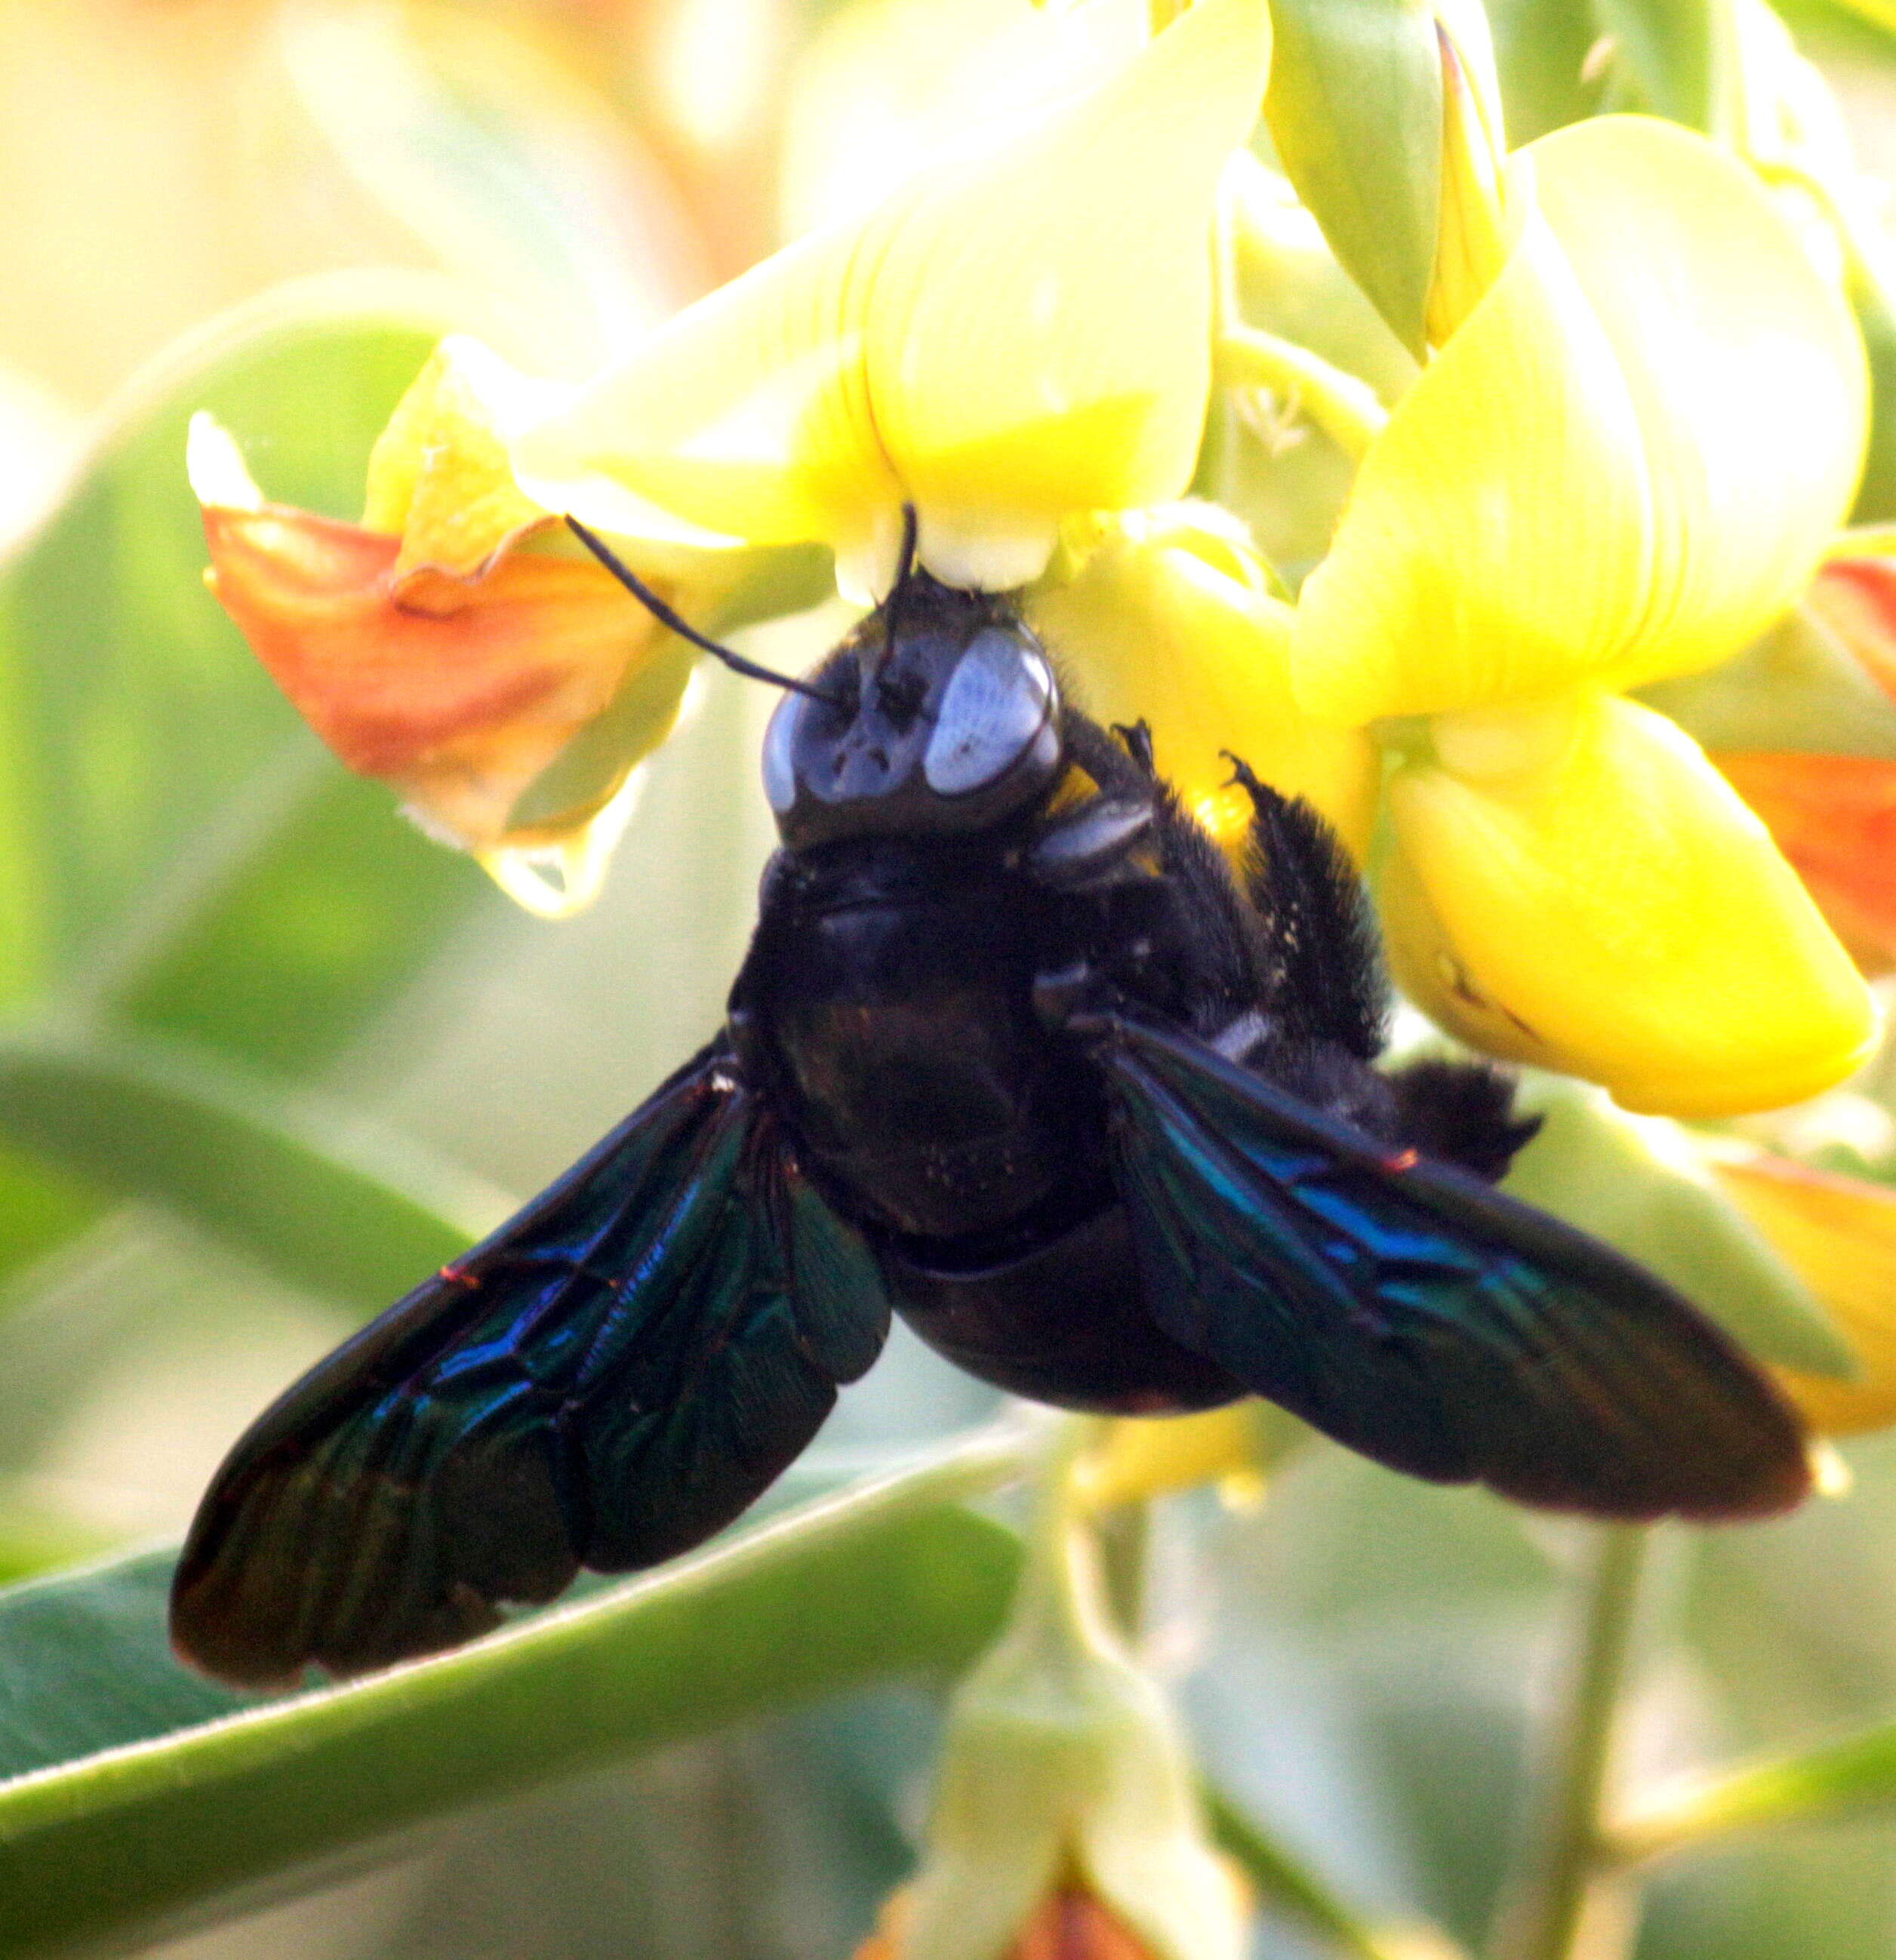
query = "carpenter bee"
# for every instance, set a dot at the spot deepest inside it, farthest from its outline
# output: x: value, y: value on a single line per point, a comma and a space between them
x: 1016, y: 1053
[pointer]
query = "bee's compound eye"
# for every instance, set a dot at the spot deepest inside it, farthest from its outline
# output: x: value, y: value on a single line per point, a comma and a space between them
x: 995, y: 704
x: 780, y: 761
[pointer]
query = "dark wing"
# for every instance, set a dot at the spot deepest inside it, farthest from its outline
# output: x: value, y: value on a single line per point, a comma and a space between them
x: 611, y: 1377
x: 1406, y: 1308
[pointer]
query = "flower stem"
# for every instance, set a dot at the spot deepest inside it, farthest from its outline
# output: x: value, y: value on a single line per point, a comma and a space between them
x: 1541, y: 1919
x: 1057, y: 1600
x: 1344, y: 407
x: 1282, y: 1878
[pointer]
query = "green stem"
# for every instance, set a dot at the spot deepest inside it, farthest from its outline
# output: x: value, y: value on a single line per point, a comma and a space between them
x: 1124, y: 1537
x: 1282, y: 1878
x: 1049, y: 1603
x: 1854, y: 1777
x: 1344, y: 407
x: 1541, y: 1919
x: 882, y: 1579
x: 1216, y: 477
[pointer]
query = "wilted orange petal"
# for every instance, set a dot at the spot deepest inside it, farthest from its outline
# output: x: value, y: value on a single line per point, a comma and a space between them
x: 1838, y: 1235
x: 1834, y: 817
x: 1075, y: 1925
x: 1070, y: 1925
x: 460, y: 694
x: 1855, y: 597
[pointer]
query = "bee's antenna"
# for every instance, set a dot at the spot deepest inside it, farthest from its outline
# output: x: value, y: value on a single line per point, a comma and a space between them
x: 683, y: 628
x: 905, y: 572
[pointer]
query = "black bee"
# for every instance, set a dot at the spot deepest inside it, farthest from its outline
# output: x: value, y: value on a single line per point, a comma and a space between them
x: 1013, y: 1052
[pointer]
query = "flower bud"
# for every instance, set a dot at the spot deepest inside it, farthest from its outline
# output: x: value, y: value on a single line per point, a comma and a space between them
x: 1067, y: 1803
x: 1068, y: 1924
x: 1855, y: 597
x: 1151, y: 1456
x: 1473, y: 239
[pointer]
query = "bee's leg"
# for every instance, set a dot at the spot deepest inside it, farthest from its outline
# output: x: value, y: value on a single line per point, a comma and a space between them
x: 1136, y: 738
x: 1326, y: 978
x: 1461, y: 1111
x: 1105, y: 841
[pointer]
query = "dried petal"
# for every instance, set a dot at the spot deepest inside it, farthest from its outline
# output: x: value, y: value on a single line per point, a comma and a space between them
x: 458, y: 696
x: 1839, y: 1233
x: 1834, y: 817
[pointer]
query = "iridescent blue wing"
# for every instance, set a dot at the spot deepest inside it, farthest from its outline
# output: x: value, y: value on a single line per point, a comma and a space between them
x: 1410, y: 1310
x: 611, y: 1377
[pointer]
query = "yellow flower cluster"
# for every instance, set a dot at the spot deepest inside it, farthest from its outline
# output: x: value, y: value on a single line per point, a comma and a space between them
x: 1641, y: 428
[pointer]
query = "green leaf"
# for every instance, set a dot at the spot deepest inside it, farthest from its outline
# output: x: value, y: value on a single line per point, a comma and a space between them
x: 193, y: 851
x: 171, y: 842
x: 1876, y: 317
x: 327, y: 909
x: 143, y: 1793
x: 1841, y: 1780
x: 131, y: 712
x: 36, y: 1536
x: 1354, y: 108
x: 1541, y: 50
x: 318, y: 1196
x: 42, y: 1207
x: 1673, y: 55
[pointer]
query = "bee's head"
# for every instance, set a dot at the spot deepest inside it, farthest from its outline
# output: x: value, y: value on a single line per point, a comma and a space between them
x: 938, y: 716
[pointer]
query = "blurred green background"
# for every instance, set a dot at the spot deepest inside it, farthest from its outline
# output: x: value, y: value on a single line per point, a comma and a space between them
x: 266, y: 1049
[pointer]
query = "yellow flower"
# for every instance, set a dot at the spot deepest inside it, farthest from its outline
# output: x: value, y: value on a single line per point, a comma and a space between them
x: 1627, y: 459
x: 438, y: 476
x: 1581, y: 890
x: 1605, y: 476
x: 1013, y: 336
x: 1149, y: 1456
x: 1168, y: 616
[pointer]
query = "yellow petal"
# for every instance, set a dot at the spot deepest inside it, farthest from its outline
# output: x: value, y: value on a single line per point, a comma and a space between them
x: 439, y: 476
x: 1579, y: 888
x: 1839, y: 1233
x: 1629, y: 458
x: 1148, y: 1456
x: 1008, y: 338
x: 1167, y: 618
